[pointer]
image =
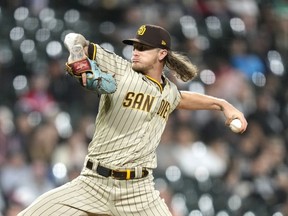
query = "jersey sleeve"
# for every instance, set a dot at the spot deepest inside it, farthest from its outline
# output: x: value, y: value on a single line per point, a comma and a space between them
x: 108, y: 61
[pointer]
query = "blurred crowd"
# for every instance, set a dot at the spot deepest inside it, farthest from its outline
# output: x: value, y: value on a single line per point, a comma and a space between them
x: 241, y: 50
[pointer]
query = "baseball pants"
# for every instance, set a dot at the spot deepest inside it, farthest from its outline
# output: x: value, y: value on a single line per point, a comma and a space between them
x: 96, y: 195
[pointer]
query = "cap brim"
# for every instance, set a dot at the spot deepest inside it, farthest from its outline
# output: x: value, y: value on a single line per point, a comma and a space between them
x: 132, y: 40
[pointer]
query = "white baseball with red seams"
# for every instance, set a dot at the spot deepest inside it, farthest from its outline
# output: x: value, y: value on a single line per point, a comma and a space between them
x: 235, y: 125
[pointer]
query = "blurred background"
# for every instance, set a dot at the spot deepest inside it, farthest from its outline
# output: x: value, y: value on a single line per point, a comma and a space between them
x: 241, y: 50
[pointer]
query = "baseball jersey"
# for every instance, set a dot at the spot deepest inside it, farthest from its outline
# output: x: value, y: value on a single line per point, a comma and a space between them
x: 130, y: 121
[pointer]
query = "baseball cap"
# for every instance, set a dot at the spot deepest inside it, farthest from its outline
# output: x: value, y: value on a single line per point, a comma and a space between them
x: 151, y: 35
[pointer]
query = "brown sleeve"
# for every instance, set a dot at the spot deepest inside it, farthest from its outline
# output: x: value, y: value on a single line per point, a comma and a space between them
x: 92, y: 50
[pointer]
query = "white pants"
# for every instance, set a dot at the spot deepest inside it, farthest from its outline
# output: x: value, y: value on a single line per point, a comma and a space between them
x: 94, y: 195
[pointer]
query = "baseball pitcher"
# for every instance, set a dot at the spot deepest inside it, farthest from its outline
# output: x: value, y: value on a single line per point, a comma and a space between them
x: 136, y: 99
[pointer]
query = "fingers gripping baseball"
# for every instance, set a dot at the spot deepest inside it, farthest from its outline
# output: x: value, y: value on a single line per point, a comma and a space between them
x: 238, y: 123
x: 235, y: 119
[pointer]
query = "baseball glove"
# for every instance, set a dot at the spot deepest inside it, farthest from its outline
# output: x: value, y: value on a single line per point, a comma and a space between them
x: 102, y: 83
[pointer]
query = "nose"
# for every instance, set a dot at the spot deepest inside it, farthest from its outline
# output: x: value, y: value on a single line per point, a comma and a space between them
x: 135, y: 52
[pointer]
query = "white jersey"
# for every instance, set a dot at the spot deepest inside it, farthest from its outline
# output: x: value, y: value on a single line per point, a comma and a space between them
x: 130, y: 121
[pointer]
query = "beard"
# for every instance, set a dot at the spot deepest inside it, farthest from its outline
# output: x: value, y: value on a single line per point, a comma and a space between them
x: 138, y: 68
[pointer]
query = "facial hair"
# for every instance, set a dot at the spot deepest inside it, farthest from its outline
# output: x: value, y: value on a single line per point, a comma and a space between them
x: 141, y: 68
x: 138, y: 69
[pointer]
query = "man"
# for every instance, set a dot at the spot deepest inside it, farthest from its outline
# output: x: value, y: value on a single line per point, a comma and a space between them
x: 117, y: 175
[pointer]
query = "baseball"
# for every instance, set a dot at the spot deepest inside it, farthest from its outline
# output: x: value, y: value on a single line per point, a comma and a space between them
x: 235, y: 125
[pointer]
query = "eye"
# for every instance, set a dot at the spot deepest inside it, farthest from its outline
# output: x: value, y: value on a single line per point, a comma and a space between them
x: 139, y: 47
x: 142, y: 47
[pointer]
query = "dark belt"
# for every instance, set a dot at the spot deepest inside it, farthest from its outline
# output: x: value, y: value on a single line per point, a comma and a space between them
x: 116, y: 174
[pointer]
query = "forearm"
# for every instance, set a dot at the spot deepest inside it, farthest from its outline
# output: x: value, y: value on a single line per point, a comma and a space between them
x: 196, y: 101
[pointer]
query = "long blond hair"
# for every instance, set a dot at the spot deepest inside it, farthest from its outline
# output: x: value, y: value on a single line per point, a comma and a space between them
x: 181, y: 65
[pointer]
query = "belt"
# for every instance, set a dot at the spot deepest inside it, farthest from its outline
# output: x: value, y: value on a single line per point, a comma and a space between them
x: 116, y: 174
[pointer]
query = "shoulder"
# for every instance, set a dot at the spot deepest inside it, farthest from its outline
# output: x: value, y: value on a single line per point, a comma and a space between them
x: 170, y: 83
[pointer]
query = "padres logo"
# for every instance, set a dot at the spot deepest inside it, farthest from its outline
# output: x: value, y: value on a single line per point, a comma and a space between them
x: 141, y: 30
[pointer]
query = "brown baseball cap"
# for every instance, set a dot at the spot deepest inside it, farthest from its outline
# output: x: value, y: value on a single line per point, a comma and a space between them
x: 151, y: 35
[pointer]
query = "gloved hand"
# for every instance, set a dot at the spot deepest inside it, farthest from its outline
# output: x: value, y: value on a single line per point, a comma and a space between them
x: 95, y: 79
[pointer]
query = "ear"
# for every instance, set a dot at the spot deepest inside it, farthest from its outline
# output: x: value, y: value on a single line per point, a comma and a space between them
x: 162, y: 54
